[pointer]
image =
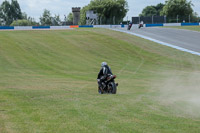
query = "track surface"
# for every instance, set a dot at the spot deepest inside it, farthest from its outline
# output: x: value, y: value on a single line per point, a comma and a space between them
x: 183, y: 38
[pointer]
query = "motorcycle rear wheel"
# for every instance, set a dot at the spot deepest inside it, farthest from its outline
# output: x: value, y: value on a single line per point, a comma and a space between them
x: 114, y: 88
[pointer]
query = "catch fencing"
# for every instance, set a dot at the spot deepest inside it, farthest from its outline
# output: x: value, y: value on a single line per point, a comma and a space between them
x: 166, y: 19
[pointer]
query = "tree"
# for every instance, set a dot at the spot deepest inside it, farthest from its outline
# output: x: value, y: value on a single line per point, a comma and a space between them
x: 32, y: 20
x: 173, y: 8
x: 83, y: 15
x: 24, y: 16
x: 152, y: 10
x: 5, y: 13
x: 107, y: 10
x: 159, y: 8
x: 1, y: 21
x: 56, y: 20
x: 194, y: 17
x: 46, y: 18
x: 70, y: 17
x: 148, y: 11
x: 15, y: 10
x: 10, y: 12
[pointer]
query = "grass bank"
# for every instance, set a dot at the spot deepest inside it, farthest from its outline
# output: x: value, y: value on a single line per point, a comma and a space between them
x: 48, y: 83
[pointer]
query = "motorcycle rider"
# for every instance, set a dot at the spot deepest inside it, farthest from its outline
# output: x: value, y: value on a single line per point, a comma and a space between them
x: 103, y: 74
x: 130, y: 25
x: 141, y: 24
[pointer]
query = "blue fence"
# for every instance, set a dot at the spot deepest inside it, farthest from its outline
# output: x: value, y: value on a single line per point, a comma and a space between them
x: 41, y: 27
x: 85, y: 26
x: 7, y: 27
x: 153, y: 25
x: 189, y: 24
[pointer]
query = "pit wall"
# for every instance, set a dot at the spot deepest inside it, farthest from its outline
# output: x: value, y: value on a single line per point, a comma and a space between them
x: 91, y: 26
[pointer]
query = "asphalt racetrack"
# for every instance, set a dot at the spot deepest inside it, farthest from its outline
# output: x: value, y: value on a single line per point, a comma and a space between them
x: 183, y: 38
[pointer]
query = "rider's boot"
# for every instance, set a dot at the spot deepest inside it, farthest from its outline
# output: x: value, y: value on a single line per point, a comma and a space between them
x: 117, y: 84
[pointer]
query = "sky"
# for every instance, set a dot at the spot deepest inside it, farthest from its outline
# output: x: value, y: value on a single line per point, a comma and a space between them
x: 35, y: 8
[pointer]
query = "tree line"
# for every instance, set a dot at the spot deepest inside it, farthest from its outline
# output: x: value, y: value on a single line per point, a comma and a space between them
x: 173, y: 9
x: 109, y: 12
x: 11, y: 15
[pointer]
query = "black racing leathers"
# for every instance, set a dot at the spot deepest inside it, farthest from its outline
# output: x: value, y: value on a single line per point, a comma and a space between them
x: 103, y: 73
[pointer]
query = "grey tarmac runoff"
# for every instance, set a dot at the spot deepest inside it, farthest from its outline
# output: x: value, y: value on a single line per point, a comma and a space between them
x: 182, y: 38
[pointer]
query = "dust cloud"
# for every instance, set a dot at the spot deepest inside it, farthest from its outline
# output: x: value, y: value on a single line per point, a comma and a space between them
x: 181, y: 92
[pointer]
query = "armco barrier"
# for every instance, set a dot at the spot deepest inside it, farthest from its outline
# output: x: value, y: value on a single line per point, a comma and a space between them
x: 153, y: 25
x: 172, y: 24
x: 23, y: 27
x: 115, y: 26
x: 101, y: 26
x: 6, y: 27
x: 59, y: 27
x: 189, y: 24
x: 86, y: 26
x: 74, y: 26
x: 110, y: 26
x: 41, y: 27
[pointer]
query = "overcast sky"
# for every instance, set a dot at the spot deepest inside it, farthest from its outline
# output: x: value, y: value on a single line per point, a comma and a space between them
x: 35, y: 8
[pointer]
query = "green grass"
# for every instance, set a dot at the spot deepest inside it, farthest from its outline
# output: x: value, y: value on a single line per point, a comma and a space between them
x: 48, y: 83
x: 193, y: 28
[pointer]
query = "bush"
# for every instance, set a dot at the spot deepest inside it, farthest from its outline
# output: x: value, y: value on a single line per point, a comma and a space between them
x: 23, y: 22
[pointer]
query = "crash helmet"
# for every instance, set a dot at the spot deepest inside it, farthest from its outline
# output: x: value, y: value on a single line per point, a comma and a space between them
x: 103, y: 64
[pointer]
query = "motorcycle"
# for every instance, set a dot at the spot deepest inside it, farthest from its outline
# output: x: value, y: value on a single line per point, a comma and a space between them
x: 140, y: 25
x: 109, y: 86
x: 129, y: 26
